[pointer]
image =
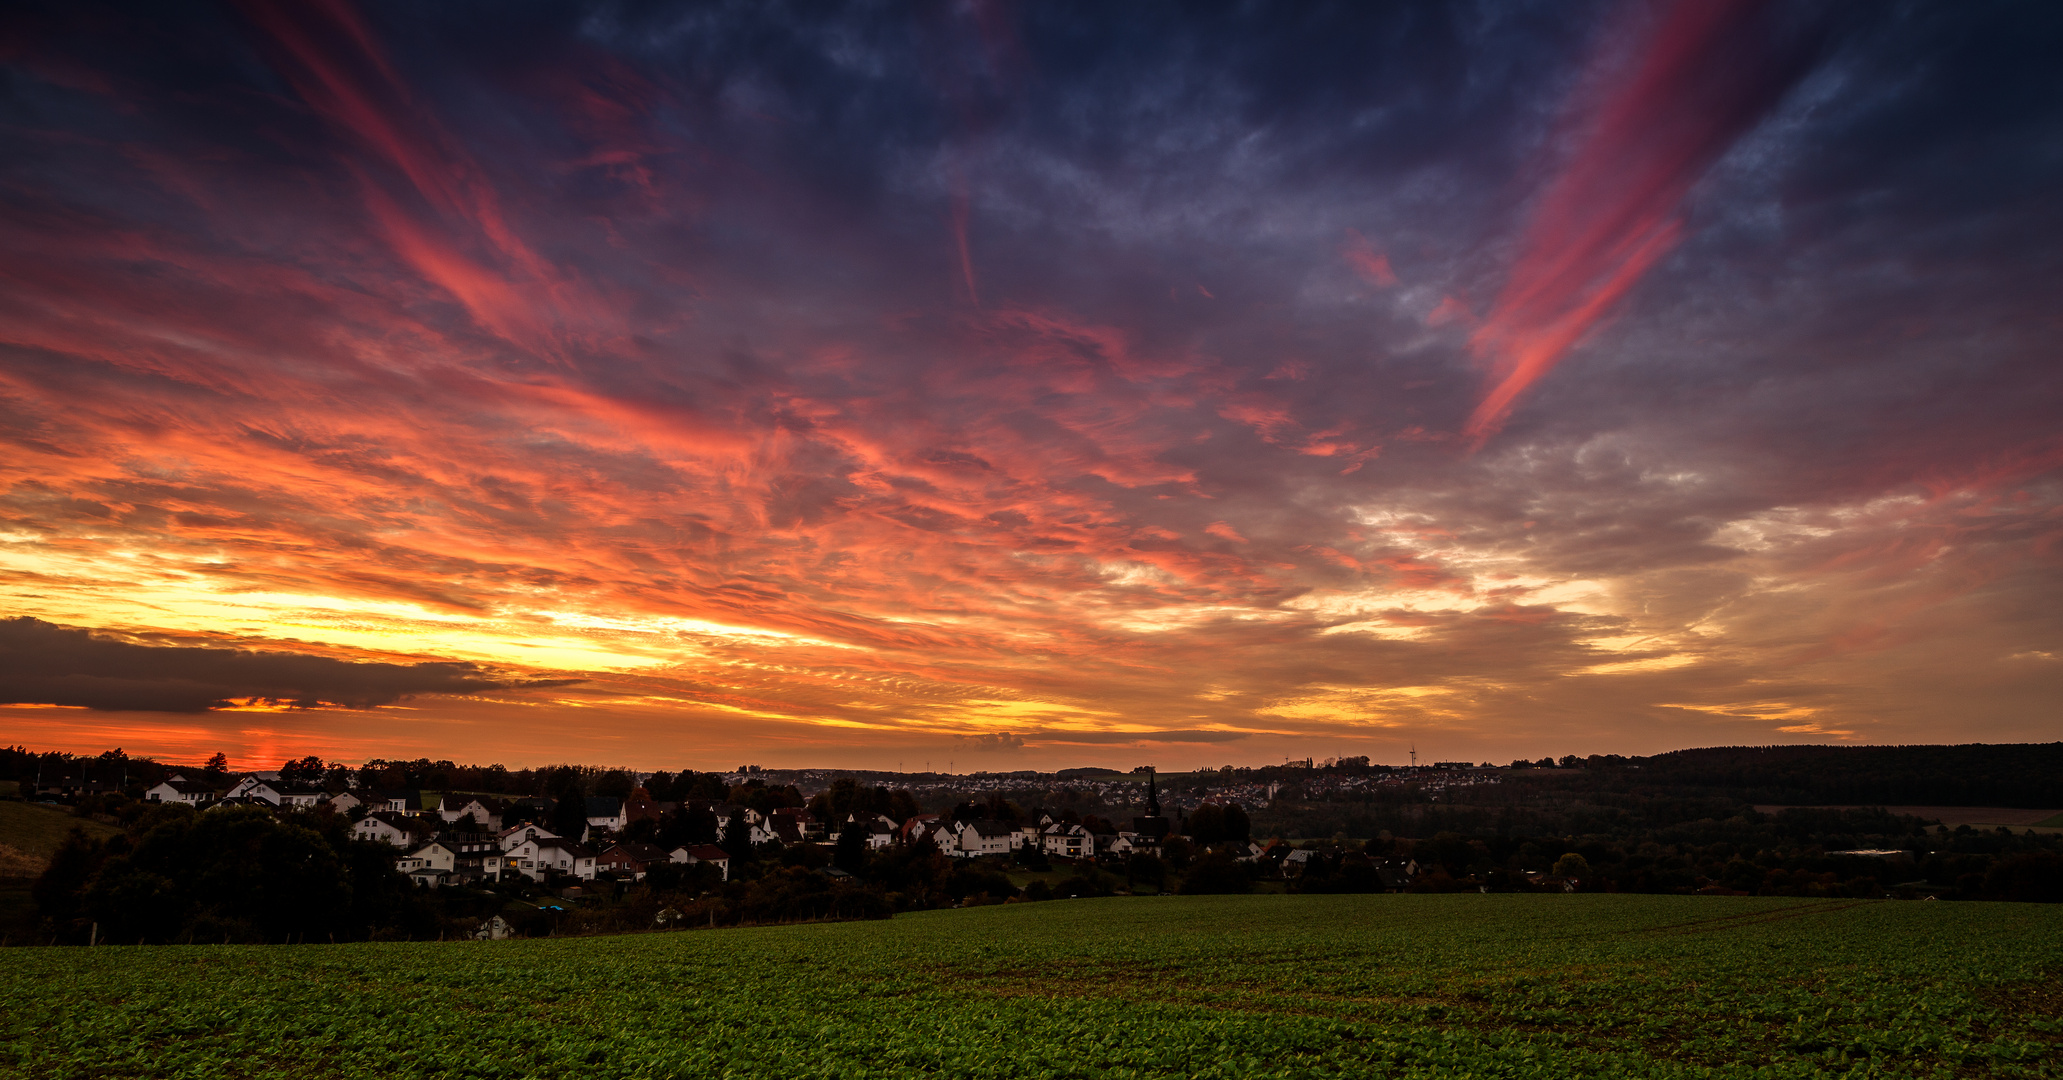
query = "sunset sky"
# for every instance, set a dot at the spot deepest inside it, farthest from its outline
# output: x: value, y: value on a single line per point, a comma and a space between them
x: 997, y: 386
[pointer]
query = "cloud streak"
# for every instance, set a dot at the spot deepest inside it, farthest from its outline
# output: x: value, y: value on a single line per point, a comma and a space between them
x: 1658, y: 111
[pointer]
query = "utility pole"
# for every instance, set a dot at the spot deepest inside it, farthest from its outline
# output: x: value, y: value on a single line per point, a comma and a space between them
x: 1414, y: 755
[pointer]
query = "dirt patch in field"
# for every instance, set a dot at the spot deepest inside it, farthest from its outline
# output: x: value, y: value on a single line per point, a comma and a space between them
x: 1950, y: 816
x: 1719, y: 923
x: 2040, y: 997
x: 16, y: 863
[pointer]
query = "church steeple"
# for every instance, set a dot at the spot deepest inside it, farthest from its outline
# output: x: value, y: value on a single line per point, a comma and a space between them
x: 1152, y: 796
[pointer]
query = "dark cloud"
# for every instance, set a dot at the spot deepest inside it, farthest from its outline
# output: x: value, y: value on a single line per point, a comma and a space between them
x: 44, y: 664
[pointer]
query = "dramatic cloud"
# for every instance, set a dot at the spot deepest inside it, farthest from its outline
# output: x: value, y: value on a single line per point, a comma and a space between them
x: 1062, y: 384
x: 41, y: 664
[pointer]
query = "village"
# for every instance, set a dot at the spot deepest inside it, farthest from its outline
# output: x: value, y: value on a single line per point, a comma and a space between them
x: 458, y: 839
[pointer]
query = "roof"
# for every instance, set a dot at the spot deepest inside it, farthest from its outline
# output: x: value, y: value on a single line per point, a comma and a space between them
x: 991, y: 830
x: 604, y: 806
x: 572, y: 848
x: 706, y: 853
x: 639, y: 852
x: 187, y: 787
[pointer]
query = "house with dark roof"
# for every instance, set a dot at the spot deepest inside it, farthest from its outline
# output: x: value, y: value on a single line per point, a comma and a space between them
x: 879, y: 829
x: 508, y: 838
x: 389, y: 827
x: 408, y: 801
x: 540, y: 857
x: 70, y: 779
x: 484, y: 811
x: 973, y: 839
x: 630, y: 860
x: 605, y: 812
x: 1068, y: 841
x: 695, y: 854
x: 190, y: 792
x: 281, y: 793
x: 785, y: 829
x: 807, y: 827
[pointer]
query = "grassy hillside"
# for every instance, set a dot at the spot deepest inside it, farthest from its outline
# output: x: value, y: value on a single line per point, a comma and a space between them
x: 1497, y: 985
x: 37, y: 830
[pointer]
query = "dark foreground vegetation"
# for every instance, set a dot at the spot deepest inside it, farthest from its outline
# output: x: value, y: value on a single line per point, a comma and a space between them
x: 1679, y: 823
x: 1141, y: 987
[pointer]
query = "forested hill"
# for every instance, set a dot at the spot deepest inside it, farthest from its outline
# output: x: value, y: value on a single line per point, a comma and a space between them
x: 2028, y: 775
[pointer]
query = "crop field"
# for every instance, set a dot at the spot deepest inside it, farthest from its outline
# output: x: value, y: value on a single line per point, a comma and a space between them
x: 38, y: 830
x: 1235, y: 986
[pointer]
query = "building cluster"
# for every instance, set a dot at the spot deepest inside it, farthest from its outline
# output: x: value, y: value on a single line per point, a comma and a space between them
x: 482, y: 838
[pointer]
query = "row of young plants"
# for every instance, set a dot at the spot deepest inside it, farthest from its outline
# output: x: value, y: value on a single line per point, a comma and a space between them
x: 1228, y: 986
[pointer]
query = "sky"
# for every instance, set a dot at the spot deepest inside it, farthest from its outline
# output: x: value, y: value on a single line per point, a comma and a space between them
x: 991, y: 386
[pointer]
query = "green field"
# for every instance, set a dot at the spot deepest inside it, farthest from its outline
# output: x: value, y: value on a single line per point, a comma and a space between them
x: 37, y: 830
x: 1250, y: 986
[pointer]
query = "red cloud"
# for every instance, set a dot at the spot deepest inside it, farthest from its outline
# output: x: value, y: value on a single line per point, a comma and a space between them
x: 1702, y: 76
x: 1367, y: 261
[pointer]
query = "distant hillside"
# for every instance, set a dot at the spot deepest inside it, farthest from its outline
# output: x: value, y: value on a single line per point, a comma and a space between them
x: 37, y: 830
x: 2026, y: 775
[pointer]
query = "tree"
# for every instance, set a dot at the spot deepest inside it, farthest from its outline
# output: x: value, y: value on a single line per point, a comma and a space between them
x: 616, y: 784
x: 902, y: 806
x: 1207, y: 825
x: 216, y: 772
x: 737, y: 839
x: 2031, y: 876
x: 307, y: 770
x: 1571, y: 865
x: 569, y: 817
x: 1214, y: 874
x: 851, y: 856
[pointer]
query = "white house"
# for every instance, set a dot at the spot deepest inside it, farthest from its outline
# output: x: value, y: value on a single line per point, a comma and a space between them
x: 938, y: 830
x: 1069, y: 841
x: 281, y: 793
x: 345, y: 803
x: 181, y: 791
x: 435, y: 856
x: 396, y: 802
x: 517, y: 834
x: 759, y: 832
x: 487, y: 812
x: 388, y: 827
x: 703, y: 853
x: 978, y: 838
x: 536, y: 858
x: 879, y: 829
x: 606, y: 812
